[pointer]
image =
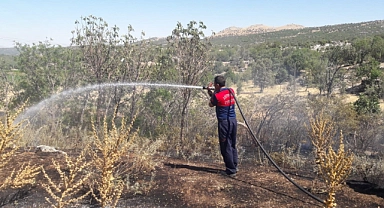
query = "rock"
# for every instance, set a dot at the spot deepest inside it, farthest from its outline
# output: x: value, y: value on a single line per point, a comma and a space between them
x: 48, y: 149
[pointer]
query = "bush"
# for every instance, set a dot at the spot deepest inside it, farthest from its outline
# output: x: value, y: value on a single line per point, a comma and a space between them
x: 370, y: 170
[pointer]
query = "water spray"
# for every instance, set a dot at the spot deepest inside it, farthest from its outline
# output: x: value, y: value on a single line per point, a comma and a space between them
x: 33, y: 110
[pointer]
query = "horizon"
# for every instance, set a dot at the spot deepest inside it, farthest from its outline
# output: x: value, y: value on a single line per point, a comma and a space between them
x: 29, y: 22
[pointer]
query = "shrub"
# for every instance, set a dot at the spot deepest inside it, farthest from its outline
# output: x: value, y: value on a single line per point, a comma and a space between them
x: 370, y: 170
x: 68, y: 189
x: 10, y: 134
x: 107, y: 152
x: 333, y: 167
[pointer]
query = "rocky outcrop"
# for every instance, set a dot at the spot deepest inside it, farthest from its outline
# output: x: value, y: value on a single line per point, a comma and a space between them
x: 254, y: 29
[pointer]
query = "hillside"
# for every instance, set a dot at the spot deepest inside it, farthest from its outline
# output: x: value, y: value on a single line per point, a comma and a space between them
x: 295, y: 35
x: 255, y: 29
x: 9, y: 51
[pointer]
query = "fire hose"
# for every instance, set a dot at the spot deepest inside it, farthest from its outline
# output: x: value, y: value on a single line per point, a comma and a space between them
x: 267, y: 155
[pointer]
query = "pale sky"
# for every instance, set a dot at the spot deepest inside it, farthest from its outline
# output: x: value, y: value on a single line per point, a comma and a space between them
x: 31, y: 21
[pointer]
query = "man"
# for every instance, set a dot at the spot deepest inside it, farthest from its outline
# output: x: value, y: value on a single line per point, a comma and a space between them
x: 223, y: 99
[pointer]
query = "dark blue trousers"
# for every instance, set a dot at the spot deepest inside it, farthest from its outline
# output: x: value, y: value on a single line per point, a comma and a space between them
x: 227, y: 129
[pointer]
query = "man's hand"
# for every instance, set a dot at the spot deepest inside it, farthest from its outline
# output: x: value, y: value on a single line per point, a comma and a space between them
x: 210, y: 93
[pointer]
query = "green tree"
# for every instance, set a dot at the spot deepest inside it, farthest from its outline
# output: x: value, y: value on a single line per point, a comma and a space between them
x: 369, y: 73
x: 298, y: 61
x: 111, y: 58
x: 5, y: 84
x: 46, y: 69
x: 190, y: 49
x: 368, y: 102
x: 337, y: 58
x: 232, y: 76
x: 99, y: 47
x: 363, y: 49
x: 262, y: 73
x: 377, y: 48
x: 136, y: 65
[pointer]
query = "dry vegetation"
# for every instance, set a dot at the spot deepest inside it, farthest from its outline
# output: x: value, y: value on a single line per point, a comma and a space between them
x: 72, y: 177
x: 97, y: 172
x: 119, y: 166
x: 333, y: 167
x: 10, y: 135
x: 106, y: 154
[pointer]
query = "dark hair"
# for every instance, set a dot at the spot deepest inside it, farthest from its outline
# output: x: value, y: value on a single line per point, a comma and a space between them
x: 220, y: 80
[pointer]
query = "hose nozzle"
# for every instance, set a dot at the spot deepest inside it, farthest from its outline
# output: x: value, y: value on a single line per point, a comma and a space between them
x: 208, y: 88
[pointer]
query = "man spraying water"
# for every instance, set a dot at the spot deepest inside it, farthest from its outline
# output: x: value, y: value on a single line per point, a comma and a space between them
x: 223, y: 99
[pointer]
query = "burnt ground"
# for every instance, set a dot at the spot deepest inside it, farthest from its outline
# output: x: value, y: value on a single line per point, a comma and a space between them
x: 181, y: 183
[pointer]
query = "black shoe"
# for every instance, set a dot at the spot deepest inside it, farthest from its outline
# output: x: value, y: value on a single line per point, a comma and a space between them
x: 224, y: 173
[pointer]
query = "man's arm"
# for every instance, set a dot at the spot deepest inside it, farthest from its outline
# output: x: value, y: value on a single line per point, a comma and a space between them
x: 212, y: 100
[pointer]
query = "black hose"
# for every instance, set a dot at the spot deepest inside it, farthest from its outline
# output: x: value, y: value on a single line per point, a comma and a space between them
x: 271, y: 160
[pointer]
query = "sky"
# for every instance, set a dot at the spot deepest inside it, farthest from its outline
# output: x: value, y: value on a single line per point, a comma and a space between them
x: 31, y: 21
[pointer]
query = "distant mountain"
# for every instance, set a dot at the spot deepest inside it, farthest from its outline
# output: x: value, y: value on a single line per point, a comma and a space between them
x: 255, y: 29
x: 297, y: 34
x: 9, y: 51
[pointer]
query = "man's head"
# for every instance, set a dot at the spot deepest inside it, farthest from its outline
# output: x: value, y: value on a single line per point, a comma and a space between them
x: 219, y: 81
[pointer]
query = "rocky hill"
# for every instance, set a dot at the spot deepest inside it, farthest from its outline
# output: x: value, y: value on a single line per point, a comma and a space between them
x: 255, y: 29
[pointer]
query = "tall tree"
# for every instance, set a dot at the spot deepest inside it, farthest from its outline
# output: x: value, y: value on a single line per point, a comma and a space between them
x: 190, y: 49
x: 337, y: 58
x: 377, y: 48
x: 363, y: 49
x: 111, y: 58
x: 98, y: 45
x: 262, y: 73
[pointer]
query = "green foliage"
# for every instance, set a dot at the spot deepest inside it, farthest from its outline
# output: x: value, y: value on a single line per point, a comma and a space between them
x: 281, y: 75
x: 367, y: 104
x: 369, y: 73
x: 377, y: 48
x: 157, y: 104
x: 232, y: 76
x: 262, y: 73
x: 224, y: 54
x: 8, y: 61
x: 219, y: 68
x: 165, y: 69
x: 363, y: 48
x: 45, y: 69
